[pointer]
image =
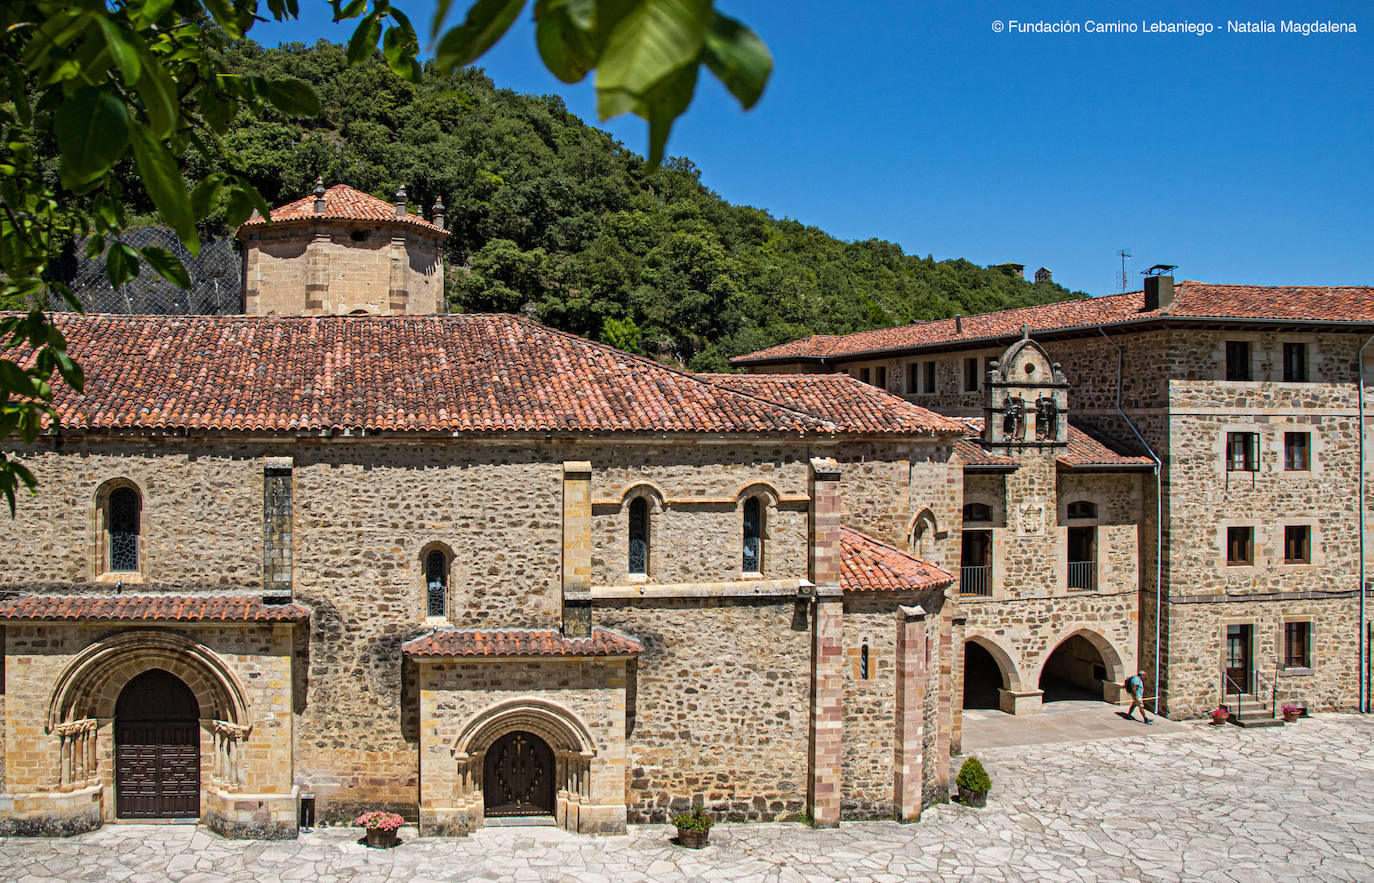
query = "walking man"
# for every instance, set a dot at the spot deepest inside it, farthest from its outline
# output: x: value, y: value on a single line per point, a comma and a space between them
x: 1135, y: 688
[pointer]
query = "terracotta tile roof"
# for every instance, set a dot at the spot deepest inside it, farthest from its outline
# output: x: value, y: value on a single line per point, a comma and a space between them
x: 840, y: 398
x: 343, y: 203
x: 1088, y: 447
x: 520, y: 642
x: 146, y: 608
x: 475, y: 373
x: 867, y: 565
x: 1192, y: 300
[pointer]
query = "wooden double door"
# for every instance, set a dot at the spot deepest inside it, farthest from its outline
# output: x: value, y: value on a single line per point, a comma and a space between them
x: 517, y: 776
x: 157, y: 749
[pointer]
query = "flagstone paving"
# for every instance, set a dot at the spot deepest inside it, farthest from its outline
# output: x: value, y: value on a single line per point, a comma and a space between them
x: 1197, y: 803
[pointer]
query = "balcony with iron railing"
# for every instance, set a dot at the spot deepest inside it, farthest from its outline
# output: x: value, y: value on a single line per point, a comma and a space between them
x: 975, y: 580
x: 1082, y: 576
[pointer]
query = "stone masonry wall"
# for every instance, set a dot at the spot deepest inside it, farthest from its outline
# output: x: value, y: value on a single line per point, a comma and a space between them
x: 717, y: 714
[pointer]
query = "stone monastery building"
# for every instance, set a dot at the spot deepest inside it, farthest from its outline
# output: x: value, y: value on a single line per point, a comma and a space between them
x: 344, y: 552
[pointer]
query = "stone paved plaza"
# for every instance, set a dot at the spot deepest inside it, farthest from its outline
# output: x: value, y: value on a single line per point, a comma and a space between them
x: 1196, y: 802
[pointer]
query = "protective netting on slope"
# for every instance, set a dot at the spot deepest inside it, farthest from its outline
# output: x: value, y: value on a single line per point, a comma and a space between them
x: 215, y: 279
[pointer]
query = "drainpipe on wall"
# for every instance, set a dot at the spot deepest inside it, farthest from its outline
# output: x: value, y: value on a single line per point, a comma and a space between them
x: 1159, y: 509
x: 1359, y: 480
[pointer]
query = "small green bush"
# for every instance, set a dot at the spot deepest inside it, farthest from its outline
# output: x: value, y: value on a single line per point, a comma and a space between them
x: 696, y: 820
x: 972, y: 776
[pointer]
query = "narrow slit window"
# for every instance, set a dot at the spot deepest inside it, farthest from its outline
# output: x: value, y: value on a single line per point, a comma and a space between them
x: 436, y: 583
x: 753, y: 536
x: 863, y: 661
x: 971, y: 375
x: 880, y: 378
x: 639, y: 537
x: 913, y: 378
x: 124, y: 526
x: 930, y: 377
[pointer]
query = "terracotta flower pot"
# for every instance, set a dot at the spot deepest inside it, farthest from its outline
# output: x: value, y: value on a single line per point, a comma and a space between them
x: 379, y: 838
x: 1290, y: 717
x: 692, y: 839
x: 973, y: 798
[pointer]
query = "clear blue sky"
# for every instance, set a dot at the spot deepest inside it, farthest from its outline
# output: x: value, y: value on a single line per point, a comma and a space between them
x: 1239, y: 157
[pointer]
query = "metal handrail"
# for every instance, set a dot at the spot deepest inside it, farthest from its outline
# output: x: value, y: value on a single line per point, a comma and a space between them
x: 1273, y: 689
x: 1240, y: 701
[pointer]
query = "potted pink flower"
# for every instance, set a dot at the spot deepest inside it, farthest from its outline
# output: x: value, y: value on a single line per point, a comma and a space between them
x: 381, y: 828
x: 1291, y: 712
x: 1219, y: 716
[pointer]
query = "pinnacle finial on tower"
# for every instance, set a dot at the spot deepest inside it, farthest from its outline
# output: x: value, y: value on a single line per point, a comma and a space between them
x: 437, y: 211
x: 401, y: 201
x: 319, y: 195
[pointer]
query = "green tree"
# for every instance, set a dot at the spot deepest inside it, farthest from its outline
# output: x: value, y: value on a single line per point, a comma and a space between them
x: 136, y: 99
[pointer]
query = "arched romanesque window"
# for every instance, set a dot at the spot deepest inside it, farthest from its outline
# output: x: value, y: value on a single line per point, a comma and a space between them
x: 436, y: 583
x: 639, y: 537
x: 123, y: 517
x: 753, y: 536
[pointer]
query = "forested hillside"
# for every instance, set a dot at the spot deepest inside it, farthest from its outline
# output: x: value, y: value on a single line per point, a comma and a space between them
x: 556, y: 220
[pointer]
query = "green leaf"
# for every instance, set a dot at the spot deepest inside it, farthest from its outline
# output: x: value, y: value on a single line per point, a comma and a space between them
x: 399, y: 47
x: 486, y: 22
x: 163, y: 182
x: 665, y: 104
x: 217, y: 110
x: 151, y: 11
x: 364, y: 39
x: 15, y: 381
x: 121, y: 50
x: 243, y: 198
x: 159, y: 96
x: 121, y: 264
x: 203, y: 194
x: 354, y: 9
x: 655, y: 40
x: 565, y: 35
x: 92, y: 130
x: 167, y: 265
x: 738, y: 58
x: 290, y: 96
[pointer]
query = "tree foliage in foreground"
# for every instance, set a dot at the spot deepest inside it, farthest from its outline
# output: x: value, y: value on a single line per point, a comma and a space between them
x: 555, y: 219
x: 108, y: 105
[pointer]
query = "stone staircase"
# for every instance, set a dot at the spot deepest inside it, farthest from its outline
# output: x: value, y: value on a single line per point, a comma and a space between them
x: 1253, y: 713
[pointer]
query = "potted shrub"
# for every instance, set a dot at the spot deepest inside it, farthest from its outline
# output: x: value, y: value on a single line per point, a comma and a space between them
x: 1219, y: 716
x: 381, y: 828
x: 692, y: 828
x: 1291, y: 712
x: 974, y: 783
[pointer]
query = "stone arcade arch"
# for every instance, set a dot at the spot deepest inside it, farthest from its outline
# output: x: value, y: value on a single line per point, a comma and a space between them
x: 556, y: 727
x: 1082, y: 665
x: 990, y: 674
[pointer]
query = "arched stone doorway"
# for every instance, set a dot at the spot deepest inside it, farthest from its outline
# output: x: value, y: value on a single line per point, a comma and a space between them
x: 1082, y: 666
x: 982, y: 677
x: 157, y: 748
x: 518, y: 776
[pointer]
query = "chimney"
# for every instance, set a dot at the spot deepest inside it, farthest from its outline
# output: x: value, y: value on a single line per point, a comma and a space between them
x: 319, y: 195
x: 958, y: 323
x: 400, y: 202
x: 1159, y: 286
x: 437, y: 212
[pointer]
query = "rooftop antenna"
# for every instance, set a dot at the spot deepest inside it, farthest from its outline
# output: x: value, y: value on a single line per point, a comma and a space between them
x: 1124, y: 255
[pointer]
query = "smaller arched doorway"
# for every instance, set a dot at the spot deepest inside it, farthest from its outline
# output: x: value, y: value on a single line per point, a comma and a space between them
x: 157, y: 749
x: 518, y: 776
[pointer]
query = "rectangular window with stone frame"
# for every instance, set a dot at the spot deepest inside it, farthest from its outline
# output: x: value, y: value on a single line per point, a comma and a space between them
x: 1295, y: 363
x: 913, y: 377
x: 1237, y: 360
x: 1240, y: 545
x: 971, y: 375
x: 880, y: 377
x: 1297, y: 644
x: 929, y: 387
x: 1297, y: 451
x: 1242, y: 452
x: 1297, y: 544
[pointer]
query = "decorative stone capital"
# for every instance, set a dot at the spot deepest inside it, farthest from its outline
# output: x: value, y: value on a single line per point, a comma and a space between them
x: 234, y: 732
x: 76, y: 728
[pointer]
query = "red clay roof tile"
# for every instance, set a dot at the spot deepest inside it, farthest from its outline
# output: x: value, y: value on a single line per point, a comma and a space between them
x: 143, y: 608
x: 1088, y: 447
x: 869, y: 565
x: 520, y: 642
x: 457, y: 373
x: 343, y: 203
x: 1192, y: 300
x: 840, y: 398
